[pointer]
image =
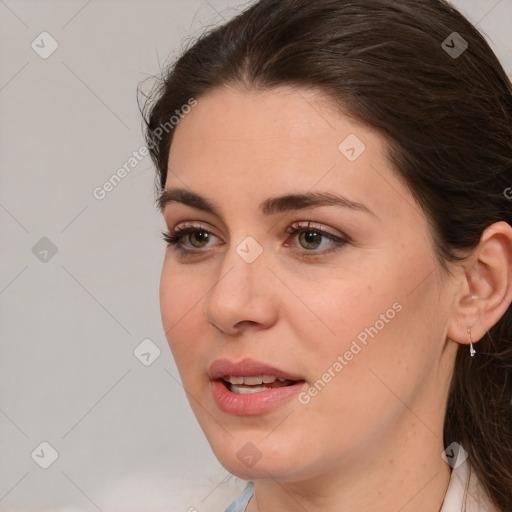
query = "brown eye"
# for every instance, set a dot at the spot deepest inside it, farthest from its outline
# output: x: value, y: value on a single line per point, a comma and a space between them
x: 310, y: 238
x: 190, y: 240
x: 199, y: 236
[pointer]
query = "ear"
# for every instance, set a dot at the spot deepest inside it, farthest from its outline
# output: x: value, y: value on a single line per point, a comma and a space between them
x: 485, y: 292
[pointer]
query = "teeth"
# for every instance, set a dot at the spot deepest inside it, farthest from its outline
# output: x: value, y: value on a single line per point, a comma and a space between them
x: 252, y: 380
x: 246, y: 391
x: 234, y: 380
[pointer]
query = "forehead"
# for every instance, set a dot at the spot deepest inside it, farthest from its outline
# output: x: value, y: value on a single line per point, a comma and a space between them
x: 249, y: 145
x: 273, y: 122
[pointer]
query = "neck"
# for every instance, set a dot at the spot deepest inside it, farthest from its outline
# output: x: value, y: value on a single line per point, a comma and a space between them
x: 408, y: 476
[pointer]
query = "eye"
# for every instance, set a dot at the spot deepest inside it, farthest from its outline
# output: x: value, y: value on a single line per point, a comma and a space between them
x: 197, y: 236
x: 309, y: 237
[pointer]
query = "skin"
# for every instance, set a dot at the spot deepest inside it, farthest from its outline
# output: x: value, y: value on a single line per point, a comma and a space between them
x: 372, y: 438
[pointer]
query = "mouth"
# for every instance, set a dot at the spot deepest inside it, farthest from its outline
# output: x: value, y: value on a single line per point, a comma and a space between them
x: 254, y: 384
x: 250, y: 387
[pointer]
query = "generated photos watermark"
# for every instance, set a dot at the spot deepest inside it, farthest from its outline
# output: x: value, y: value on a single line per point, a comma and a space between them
x: 101, y: 192
x: 341, y: 361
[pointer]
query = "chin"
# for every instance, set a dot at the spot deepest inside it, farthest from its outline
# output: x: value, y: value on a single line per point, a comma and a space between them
x: 261, y: 470
x: 257, y: 459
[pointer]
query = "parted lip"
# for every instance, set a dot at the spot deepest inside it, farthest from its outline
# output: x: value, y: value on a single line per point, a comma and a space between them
x: 247, y: 368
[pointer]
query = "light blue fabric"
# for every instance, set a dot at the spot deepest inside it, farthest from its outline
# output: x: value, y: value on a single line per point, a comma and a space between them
x: 241, y: 500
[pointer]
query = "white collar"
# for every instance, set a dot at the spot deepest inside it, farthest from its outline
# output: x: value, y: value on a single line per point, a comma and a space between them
x: 456, y: 494
x: 459, y: 496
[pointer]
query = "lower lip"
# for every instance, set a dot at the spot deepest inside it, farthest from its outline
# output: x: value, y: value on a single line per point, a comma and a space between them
x: 253, y: 403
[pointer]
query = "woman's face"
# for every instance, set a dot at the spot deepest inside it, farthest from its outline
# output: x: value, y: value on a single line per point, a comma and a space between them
x: 356, y: 324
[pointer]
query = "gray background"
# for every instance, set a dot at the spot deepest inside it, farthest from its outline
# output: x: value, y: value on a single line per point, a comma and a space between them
x: 125, y: 435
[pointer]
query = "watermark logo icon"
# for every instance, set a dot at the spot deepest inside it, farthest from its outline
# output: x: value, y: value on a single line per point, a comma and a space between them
x: 352, y: 147
x: 454, y: 45
x: 249, y: 455
x: 249, y: 249
x: 146, y: 352
x: 44, y: 250
x: 44, y: 455
x: 44, y: 45
x: 454, y: 455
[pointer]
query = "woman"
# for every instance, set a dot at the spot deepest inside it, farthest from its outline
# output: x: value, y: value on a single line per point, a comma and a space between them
x: 337, y: 285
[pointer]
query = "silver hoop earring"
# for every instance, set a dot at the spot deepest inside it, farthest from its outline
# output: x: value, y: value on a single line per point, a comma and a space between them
x: 472, y: 351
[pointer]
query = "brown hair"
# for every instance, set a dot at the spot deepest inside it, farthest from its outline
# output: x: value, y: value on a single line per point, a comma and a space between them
x: 447, y: 120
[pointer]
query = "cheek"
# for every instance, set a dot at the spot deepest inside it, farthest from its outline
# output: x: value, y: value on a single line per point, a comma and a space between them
x: 380, y: 295
x: 180, y: 304
x: 337, y: 309
x: 365, y: 327
x: 389, y: 347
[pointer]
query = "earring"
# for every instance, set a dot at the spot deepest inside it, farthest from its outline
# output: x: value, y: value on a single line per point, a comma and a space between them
x: 472, y: 351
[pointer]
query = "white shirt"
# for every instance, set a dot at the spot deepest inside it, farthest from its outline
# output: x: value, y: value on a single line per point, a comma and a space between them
x: 475, y: 497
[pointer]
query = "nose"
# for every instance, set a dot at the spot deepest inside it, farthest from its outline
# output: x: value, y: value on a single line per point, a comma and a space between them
x: 243, y: 294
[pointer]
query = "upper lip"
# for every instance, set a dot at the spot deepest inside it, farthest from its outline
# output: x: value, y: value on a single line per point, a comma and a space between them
x: 247, y: 368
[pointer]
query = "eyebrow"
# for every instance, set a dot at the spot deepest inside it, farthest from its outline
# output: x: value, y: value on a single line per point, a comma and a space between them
x: 270, y: 206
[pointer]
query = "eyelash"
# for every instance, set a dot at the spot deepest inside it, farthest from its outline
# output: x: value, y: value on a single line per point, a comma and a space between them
x: 175, y: 238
